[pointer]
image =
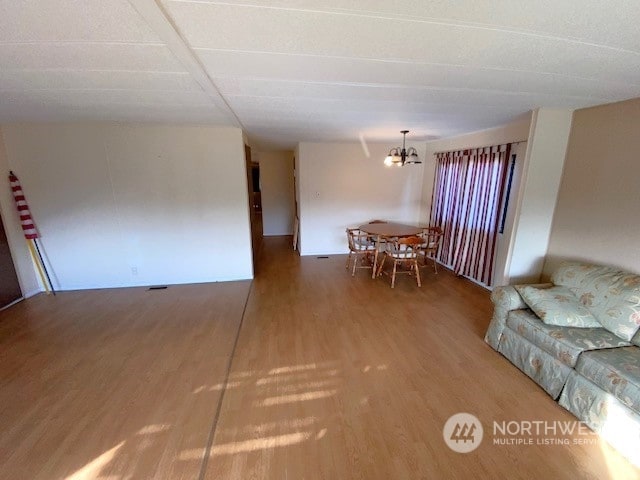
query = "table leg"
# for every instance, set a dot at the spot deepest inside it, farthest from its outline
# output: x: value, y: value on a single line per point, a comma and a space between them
x: 375, y: 257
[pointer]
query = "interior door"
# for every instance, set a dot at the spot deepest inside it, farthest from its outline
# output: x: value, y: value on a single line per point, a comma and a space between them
x: 9, y: 286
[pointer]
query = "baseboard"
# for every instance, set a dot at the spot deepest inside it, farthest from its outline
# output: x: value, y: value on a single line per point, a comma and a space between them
x: 12, y: 303
x: 32, y: 293
x: 312, y: 254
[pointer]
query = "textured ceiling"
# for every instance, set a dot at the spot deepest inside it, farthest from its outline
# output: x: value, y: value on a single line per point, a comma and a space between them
x: 297, y: 70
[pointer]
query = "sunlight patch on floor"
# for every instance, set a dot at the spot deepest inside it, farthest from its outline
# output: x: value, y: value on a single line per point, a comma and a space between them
x: 621, y: 430
x: 296, y: 387
x: 261, y: 443
x: 251, y: 445
x: 617, y: 464
x: 154, y: 428
x: 293, y: 368
x: 218, y: 387
x: 296, y: 376
x: 265, y: 428
x: 296, y: 397
x: 92, y: 469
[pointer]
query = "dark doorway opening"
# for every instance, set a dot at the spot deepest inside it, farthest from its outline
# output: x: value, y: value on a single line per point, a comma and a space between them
x: 255, y: 204
x: 9, y: 285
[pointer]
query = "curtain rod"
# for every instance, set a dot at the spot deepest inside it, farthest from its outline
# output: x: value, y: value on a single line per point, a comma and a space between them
x: 458, y: 149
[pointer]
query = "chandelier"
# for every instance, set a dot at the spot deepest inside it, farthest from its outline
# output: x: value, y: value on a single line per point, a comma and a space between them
x: 402, y: 156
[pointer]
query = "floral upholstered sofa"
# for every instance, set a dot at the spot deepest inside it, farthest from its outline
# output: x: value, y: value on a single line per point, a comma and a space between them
x: 578, y: 338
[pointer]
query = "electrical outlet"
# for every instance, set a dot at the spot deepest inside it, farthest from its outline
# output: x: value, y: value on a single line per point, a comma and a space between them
x: 134, y: 270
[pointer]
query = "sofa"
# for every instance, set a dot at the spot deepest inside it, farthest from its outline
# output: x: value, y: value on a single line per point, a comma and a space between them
x: 578, y: 337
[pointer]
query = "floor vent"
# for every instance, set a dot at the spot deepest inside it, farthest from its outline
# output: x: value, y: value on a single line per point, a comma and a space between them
x: 159, y: 287
x: 323, y: 257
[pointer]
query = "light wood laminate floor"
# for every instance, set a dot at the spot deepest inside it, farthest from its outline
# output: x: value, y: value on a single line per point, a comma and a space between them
x: 332, y: 377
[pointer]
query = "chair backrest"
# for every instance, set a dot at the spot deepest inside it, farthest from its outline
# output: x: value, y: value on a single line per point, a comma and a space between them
x: 358, y: 240
x: 406, y: 248
x: 431, y: 239
x: 350, y: 233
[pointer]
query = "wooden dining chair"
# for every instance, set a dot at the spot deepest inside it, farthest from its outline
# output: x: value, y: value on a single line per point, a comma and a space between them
x: 403, y: 251
x: 431, y: 238
x: 380, y: 241
x: 361, y: 247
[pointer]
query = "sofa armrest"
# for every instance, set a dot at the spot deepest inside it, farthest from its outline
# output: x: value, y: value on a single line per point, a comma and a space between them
x: 505, y: 299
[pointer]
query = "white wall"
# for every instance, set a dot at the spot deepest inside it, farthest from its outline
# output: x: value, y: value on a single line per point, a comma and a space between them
x: 538, y: 194
x: 276, y: 186
x: 596, y: 217
x: 514, y: 132
x: 340, y: 187
x: 27, y: 278
x: 125, y: 205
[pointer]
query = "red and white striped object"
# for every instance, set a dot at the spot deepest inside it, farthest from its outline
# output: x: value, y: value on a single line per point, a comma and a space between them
x: 29, y: 228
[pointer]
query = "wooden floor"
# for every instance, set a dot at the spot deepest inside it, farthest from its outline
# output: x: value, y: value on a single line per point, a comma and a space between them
x: 304, y: 373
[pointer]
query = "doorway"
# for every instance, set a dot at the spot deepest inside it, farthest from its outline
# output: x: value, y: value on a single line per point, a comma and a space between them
x: 9, y: 285
x: 255, y: 204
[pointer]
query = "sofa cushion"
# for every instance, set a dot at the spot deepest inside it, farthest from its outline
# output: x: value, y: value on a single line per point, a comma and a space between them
x: 563, y: 343
x: 636, y: 339
x: 573, y: 274
x: 613, y: 296
x: 616, y: 371
x: 557, y: 306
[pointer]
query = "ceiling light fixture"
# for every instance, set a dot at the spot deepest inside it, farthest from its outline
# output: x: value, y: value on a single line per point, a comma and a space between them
x: 402, y: 156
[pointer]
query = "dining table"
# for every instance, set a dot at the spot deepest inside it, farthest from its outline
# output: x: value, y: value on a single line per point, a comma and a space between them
x: 387, y: 229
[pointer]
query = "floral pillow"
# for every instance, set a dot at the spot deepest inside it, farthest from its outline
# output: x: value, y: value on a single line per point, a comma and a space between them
x: 557, y: 306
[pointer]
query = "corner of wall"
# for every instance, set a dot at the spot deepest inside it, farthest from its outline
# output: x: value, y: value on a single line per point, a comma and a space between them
x: 520, y: 195
x: 245, y: 138
x: 550, y: 264
x: 428, y: 176
x: 538, y: 194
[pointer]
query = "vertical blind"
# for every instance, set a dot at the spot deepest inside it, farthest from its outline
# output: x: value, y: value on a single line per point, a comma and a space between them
x: 467, y: 195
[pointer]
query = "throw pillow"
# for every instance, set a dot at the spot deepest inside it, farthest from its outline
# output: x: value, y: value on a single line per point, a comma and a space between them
x: 557, y: 306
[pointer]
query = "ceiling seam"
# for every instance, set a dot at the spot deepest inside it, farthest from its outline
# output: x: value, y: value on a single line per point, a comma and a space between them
x: 396, y: 85
x: 127, y: 89
x: 162, y: 24
x: 325, y: 98
x: 400, y: 61
x: 404, y: 86
x: 84, y: 42
x: 427, y: 20
x: 95, y: 70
